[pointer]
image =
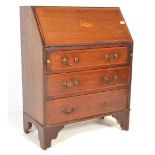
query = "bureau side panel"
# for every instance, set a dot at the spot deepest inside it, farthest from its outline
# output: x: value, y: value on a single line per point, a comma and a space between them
x: 32, y: 65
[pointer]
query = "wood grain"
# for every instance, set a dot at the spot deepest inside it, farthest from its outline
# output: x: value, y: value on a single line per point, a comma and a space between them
x: 76, y: 65
x: 75, y: 25
x: 32, y: 65
x: 87, y: 59
x: 88, y: 82
x: 45, y: 134
x: 86, y: 105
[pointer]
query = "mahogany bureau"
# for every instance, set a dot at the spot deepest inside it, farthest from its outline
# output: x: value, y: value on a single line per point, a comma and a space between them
x: 76, y: 65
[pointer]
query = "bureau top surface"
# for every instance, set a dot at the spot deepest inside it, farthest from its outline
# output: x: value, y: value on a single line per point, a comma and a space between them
x: 64, y: 26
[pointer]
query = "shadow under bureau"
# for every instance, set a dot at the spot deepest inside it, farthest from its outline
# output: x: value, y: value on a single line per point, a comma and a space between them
x: 76, y: 65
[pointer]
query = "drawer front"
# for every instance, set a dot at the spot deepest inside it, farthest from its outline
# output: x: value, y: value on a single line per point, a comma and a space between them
x: 68, y: 84
x: 72, y: 108
x: 67, y: 61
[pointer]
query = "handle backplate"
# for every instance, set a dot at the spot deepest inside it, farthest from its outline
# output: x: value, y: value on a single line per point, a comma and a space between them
x: 67, y: 112
x: 71, y: 61
x: 112, y: 57
x: 108, y: 79
x: 71, y: 84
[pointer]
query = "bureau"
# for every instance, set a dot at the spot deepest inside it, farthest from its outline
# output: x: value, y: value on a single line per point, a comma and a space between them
x: 76, y: 65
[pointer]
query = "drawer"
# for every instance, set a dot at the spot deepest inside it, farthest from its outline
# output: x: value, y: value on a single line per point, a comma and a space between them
x: 72, y: 108
x: 76, y: 60
x: 68, y: 84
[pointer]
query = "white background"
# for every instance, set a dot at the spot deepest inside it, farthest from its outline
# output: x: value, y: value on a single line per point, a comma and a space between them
x: 91, y: 137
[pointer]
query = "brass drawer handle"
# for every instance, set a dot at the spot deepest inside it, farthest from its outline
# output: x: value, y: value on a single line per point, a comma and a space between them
x: 110, y: 80
x: 71, y: 84
x: 73, y: 109
x: 70, y: 62
x: 113, y: 57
